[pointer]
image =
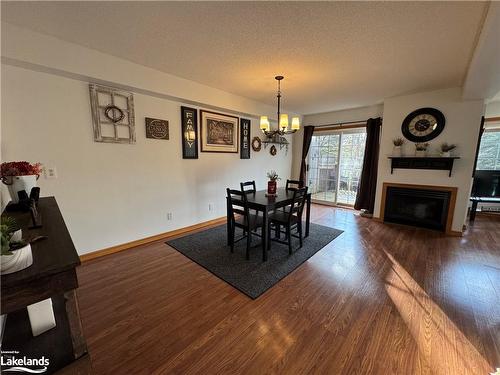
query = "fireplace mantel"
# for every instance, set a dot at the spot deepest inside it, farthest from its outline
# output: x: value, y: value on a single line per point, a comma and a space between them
x: 423, y: 162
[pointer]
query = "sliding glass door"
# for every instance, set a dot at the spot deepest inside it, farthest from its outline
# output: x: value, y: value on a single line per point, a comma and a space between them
x: 334, y: 168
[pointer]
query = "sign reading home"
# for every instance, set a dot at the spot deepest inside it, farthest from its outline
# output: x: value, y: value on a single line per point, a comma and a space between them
x: 244, y: 138
x: 156, y: 129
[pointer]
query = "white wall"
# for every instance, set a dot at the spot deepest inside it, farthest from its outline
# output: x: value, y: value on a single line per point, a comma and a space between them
x: 44, y: 53
x: 492, y: 109
x: 462, y: 128
x: 110, y: 193
x: 346, y: 115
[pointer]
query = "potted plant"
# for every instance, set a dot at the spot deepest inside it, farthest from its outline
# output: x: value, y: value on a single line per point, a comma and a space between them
x: 272, y: 183
x: 398, y: 143
x: 16, y: 253
x: 446, y: 149
x: 421, y: 149
x: 18, y: 176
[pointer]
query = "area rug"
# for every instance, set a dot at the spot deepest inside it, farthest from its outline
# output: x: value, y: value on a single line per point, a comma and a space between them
x: 253, y: 277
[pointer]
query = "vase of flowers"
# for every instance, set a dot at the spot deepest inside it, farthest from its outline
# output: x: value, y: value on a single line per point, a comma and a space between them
x: 18, y: 176
x: 398, y: 143
x: 421, y: 149
x: 446, y: 149
x: 16, y: 253
x: 272, y: 183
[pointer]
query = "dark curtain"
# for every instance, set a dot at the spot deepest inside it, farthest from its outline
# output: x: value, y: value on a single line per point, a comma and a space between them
x: 308, y: 134
x: 478, y: 145
x: 365, y: 198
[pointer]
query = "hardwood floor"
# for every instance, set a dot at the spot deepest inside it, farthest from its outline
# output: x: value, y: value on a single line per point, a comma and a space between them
x: 380, y: 299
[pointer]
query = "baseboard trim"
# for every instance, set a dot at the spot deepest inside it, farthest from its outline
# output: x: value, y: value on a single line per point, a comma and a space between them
x: 143, y: 241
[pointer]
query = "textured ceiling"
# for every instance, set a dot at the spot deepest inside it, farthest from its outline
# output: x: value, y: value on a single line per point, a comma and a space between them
x: 334, y: 55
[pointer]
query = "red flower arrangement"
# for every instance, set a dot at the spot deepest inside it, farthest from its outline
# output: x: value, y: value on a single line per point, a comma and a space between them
x: 19, y: 168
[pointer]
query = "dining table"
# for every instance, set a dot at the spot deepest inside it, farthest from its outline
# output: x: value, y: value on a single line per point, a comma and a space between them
x: 263, y: 202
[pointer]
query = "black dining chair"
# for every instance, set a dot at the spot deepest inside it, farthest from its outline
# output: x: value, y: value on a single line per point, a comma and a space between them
x: 290, y: 219
x: 293, y: 184
x: 240, y: 217
x: 248, y: 187
x: 290, y: 185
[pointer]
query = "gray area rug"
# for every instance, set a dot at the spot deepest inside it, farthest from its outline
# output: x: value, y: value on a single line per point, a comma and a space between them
x: 253, y: 277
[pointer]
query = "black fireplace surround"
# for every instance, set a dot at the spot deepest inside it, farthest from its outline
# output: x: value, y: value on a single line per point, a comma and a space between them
x: 418, y: 207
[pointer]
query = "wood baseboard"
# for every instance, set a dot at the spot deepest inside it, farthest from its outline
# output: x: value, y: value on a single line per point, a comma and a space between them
x: 146, y: 240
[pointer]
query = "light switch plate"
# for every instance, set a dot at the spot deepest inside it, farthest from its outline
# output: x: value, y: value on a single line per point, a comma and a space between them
x: 50, y: 172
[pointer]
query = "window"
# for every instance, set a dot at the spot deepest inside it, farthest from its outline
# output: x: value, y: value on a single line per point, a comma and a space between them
x: 489, y: 152
x: 335, y: 163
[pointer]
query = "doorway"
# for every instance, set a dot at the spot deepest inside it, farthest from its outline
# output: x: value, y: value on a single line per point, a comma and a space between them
x: 334, y: 166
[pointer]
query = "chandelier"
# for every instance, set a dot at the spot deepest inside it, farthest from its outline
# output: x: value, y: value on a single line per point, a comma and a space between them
x: 282, y: 119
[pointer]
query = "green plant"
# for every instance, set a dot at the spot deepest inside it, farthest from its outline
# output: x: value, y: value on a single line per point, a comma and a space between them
x: 273, y: 176
x: 445, y: 147
x: 7, y: 227
x: 398, y: 141
x: 421, y: 146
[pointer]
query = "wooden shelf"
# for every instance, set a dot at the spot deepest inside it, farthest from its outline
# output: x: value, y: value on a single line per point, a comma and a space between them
x: 423, y: 162
x: 276, y: 140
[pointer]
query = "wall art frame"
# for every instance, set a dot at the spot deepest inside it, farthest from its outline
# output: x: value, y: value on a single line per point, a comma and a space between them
x: 156, y: 128
x: 256, y: 144
x: 113, y: 117
x: 189, y: 132
x: 219, y: 132
x: 245, y: 126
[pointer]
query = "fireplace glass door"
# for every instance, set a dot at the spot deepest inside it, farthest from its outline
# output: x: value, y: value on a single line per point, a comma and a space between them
x: 418, y: 207
x: 334, y: 166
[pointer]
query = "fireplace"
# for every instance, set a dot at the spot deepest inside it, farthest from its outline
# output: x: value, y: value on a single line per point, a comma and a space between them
x: 418, y: 205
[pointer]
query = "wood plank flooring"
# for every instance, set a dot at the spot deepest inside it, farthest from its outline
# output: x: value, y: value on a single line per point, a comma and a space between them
x: 380, y: 299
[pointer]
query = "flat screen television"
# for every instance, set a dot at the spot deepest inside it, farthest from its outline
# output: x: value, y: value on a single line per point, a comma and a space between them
x: 486, y: 184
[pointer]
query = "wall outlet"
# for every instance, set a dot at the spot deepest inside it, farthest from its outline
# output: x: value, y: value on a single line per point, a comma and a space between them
x: 169, y: 215
x: 210, y: 206
x: 50, y: 172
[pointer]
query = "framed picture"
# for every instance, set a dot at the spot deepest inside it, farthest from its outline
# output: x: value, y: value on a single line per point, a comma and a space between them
x: 113, y: 117
x: 219, y: 132
x: 244, y: 138
x: 189, y: 136
x: 156, y: 128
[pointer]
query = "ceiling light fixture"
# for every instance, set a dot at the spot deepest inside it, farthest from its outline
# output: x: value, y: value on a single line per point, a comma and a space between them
x: 282, y: 118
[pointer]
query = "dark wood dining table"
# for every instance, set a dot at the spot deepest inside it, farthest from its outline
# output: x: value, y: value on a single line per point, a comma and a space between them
x: 260, y: 201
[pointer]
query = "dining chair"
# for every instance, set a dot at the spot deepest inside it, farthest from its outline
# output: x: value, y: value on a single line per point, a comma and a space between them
x: 248, y: 187
x: 290, y: 185
x: 240, y: 217
x: 293, y: 184
x: 290, y: 219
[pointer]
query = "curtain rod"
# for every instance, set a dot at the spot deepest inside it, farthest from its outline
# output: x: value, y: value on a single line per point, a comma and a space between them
x: 344, y: 123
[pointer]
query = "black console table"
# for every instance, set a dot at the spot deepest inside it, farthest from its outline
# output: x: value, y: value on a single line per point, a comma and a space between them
x: 423, y: 162
x: 52, y: 275
x: 476, y: 200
